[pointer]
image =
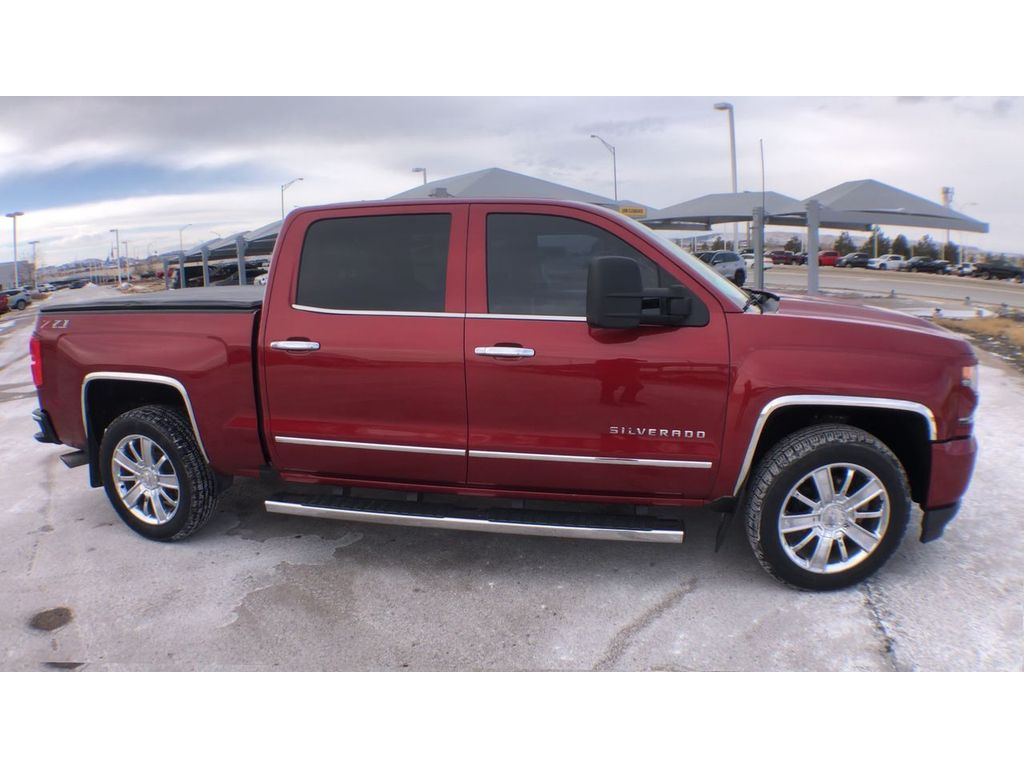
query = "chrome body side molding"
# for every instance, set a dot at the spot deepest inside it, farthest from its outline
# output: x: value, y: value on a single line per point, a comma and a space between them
x: 370, y: 446
x: 842, y: 401
x: 592, y: 459
x: 572, y: 459
x: 150, y: 378
x: 372, y: 312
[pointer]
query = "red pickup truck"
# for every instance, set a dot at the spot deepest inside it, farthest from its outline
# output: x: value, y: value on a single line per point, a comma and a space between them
x: 519, y: 366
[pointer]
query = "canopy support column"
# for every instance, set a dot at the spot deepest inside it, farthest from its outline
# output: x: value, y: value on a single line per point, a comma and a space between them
x: 167, y: 274
x: 181, y: 270
x: 813, y: 216
x: 206, y: 266
x: 240, y: 251
x: 757, y: 233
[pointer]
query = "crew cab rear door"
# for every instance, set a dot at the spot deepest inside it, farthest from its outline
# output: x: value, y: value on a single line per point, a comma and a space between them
x: 557, y: 406
x: 362, y: 346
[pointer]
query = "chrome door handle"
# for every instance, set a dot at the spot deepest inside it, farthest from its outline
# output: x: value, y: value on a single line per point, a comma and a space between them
x: 504, y: 351
x: 296, y: 346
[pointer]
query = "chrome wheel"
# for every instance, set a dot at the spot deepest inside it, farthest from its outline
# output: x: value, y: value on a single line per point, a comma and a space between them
x: 834, y: 518
x: 145, y: 480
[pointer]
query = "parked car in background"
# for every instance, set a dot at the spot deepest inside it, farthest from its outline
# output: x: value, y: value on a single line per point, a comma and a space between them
x: 926, y: 264
x: 887, y: 261
x: 749, y: 259
x: 47, y: 288
x: 964, y: 269
x: 786, y: 257
x: 1000, y: 270
x: 828, y: 258
x: 856, y: 259
x: 17, y: 298
x: 726, y: 263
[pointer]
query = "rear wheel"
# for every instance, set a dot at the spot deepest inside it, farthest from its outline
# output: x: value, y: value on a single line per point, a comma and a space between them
x: 740, y: 277
x: 21, y: 304
x: 826, y: 507
x: 155, y: 475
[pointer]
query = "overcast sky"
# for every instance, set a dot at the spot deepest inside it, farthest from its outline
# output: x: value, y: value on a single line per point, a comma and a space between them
x: 79, y: 167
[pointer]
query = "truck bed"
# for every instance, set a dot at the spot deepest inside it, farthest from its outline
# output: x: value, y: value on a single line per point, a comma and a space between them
x: 241, y: 298
x: 197, y: 340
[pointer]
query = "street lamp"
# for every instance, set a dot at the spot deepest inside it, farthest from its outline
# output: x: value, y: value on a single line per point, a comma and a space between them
x: 117, y: 248
x: 181, y: 242
x: 423, y: 171
x: 615, y: 171
x: 283, y: 188
x: 725, y: 106
x: 127, y: 264
x: 35, y: 281
x: 14, y: 220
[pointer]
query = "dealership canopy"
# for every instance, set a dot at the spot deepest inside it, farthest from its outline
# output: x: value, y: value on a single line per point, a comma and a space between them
x: 729, y: 207
x: 497, y: 182
x: 871, y: 202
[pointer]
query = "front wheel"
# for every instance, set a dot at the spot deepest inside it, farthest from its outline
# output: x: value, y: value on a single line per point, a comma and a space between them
x: 155, y: 475
x: 826, y: 507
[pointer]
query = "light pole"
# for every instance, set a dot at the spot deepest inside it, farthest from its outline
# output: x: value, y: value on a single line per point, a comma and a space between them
x: 35, y: 281
x: 727, y: 107
x: 127, y: 263
x: 615, y: 171
x: 14, y: 220
x: 283, y: 188
x: 117, y: 247
x: 423, y: 171
x: 181, y: 242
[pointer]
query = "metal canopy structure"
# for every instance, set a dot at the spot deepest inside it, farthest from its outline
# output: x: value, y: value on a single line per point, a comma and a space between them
x: 779, y: 209
x: 871, y: 202
x: 497, y: 182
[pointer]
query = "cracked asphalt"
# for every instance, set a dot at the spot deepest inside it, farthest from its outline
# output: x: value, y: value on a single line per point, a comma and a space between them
x: 256, y: 591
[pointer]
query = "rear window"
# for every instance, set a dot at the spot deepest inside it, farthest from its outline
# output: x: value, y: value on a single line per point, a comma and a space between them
x: 383, y: 263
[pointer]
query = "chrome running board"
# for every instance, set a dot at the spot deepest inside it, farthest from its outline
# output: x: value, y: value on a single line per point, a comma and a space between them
x: 514, y: 521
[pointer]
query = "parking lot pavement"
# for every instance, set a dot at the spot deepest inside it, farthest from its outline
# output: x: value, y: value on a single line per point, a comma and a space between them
x: 259, y: 591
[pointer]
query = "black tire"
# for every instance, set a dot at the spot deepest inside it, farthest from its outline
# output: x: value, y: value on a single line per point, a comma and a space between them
x: 739, y: 277
x: 172, y: 434
x: 986, y: 275
x: 20, y: 305
x: 780, y: 471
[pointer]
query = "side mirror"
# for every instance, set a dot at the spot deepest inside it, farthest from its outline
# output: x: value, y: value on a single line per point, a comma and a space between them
x: 615, y: 293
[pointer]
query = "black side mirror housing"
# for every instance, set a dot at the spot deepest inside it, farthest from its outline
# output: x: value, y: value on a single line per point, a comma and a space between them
x: 615, y: 293
x: 616, y: 297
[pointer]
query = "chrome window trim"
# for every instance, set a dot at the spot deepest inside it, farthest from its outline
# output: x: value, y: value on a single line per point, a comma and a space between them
x: 836, y: 400
x: 369, y: 446
x: 557, y: 318
x: 149, y: 378
x: 678, y: 464
x: 372, y: 312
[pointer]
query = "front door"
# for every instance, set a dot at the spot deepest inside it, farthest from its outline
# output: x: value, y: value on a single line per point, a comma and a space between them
x: 362, y: 349
x: 556, y: 406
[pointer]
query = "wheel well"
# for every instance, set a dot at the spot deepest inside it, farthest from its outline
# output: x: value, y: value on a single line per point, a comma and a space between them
x: 904, y: 432
x: 106, y: 399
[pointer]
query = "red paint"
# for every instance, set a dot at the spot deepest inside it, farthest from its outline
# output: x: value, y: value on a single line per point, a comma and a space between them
x: 416, y: 381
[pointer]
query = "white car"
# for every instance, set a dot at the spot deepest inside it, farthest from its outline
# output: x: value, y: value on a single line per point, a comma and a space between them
x: 749, y: 258
x: 726, y: 263
x: 888, y: 261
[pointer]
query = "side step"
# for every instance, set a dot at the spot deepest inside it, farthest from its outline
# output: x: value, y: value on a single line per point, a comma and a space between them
x: 495, y: 520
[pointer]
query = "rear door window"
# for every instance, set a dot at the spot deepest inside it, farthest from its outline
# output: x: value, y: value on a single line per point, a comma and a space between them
x: 394, y: 263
